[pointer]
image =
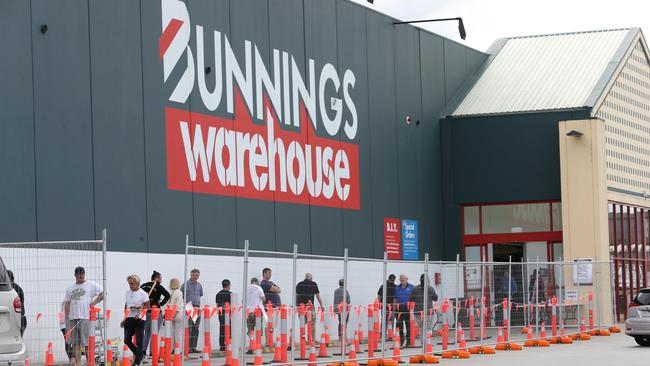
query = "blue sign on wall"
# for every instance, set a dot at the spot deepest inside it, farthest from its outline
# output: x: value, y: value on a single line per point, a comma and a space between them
x: 410, y: 247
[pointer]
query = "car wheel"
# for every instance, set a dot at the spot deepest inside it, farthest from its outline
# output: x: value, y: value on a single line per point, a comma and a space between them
x: 642, y: 341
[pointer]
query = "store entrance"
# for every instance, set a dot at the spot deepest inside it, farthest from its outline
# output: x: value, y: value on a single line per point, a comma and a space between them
x: 508, y: 251
x: 508, y: 278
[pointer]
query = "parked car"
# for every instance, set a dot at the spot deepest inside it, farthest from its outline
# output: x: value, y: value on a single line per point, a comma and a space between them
x: 637, y: 324
x: 12, y: 347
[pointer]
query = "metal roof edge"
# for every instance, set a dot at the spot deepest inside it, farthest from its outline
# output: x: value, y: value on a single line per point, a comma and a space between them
x: 536, y: 111
x: 571, y: 33
x: 613, y: 69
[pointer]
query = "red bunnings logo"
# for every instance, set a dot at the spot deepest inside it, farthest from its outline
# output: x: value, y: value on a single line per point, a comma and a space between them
x: 252, y: 155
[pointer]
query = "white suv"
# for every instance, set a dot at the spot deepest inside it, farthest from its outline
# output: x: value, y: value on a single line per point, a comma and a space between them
x: 12, y: 347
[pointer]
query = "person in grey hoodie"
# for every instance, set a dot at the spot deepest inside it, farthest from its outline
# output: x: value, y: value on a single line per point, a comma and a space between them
x: 338, y: 305
x: 417, y: 297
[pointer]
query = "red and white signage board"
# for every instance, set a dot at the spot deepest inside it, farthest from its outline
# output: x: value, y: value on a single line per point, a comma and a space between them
x: 393, y: 238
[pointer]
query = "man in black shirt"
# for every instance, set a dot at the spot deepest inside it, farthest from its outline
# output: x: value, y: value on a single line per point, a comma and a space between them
x: 271, y: 290
x: 21, y: 295
x: 390, y: 299
x: 223, y: 298
x: 305, y: 292
x: 156, y: 291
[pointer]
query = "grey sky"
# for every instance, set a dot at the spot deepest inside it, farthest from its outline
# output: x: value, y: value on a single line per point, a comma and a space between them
x: 486, y: 21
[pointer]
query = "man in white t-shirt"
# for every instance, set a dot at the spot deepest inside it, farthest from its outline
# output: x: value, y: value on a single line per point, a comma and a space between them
x: 78, y: 300
x: 254, y: 299
x: 135, y: 305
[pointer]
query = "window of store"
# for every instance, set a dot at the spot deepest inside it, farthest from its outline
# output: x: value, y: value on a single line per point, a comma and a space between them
x: 628, y: 238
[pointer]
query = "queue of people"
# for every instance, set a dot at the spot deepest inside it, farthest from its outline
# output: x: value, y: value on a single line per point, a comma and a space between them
x: 140, y: 298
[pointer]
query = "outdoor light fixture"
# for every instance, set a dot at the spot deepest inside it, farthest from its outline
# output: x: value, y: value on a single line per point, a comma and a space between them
x: 574, y: 133
x: 461, y: 25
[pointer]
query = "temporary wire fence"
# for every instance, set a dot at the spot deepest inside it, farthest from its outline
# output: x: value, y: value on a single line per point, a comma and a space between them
x: 452, y: 305
x: 44, y: 270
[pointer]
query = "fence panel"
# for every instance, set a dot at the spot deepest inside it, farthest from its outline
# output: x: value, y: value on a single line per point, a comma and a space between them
x: 44, y: 271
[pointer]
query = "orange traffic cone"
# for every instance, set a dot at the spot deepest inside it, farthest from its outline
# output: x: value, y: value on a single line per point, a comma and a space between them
x: 322, y: 350
x: 109, y: 352
x: 49, y: 356
x: 396, y: 349
x: 126, y: 356
x: 228, y: 352
x: 530, y: 341
x: 312, y: 354
x: 277, y: 354
x: 205, y: 358
x: 429, y: 348
x: 258, y: 355
x: 501, y: 346
x: 542, y: 332
x: 178, y: 358
x: 461, y: 340
x: 352, y: 354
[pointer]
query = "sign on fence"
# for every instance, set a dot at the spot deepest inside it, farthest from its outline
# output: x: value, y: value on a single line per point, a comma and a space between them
x: 582, y: 272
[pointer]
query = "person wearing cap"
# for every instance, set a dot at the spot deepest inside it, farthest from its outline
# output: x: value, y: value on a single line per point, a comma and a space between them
x: 339, y: 307
x: 78, y: 300
x: 155, y: 291
x: 254, y: 299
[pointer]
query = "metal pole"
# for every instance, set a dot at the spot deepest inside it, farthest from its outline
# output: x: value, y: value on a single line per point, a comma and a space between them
x: 384, y: 306
x: 442, y: 282
x: 482, y: 300
x: 187, y: 243
x: 613, y: 290
x: 425, y: 298
x: 344, y: 329
x: 524, y: 292
x: 456, y: 309
x: 578, y: 318
x: 507, y: 311
x: 537, y: 296
x: 561, y: 289
x: 596, y: 298
x: 295, y: 306
x: 242, y: 354
x: 105, y: 324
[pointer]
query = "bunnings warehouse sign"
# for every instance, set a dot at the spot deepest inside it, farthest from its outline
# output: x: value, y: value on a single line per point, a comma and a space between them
x: 401, y: 239
x: 253, y: 154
